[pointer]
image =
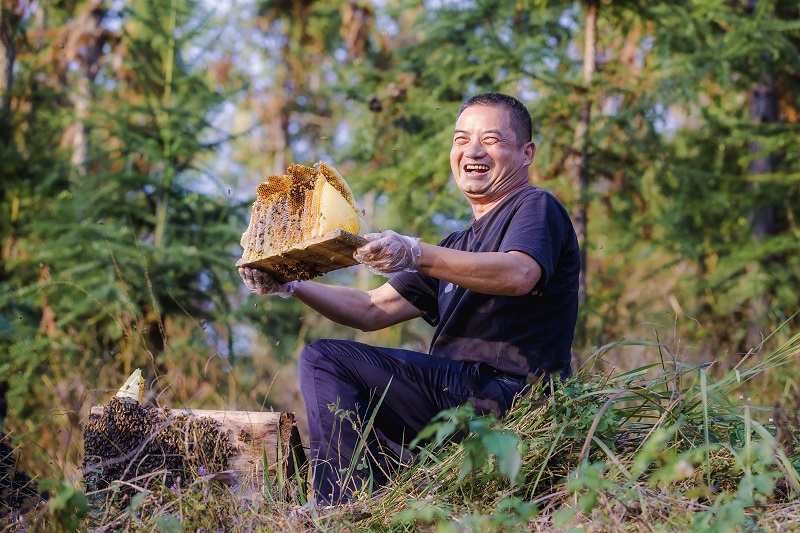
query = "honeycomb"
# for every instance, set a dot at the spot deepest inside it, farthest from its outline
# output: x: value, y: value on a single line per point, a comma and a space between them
x: 303, y: 204
x: 133, y: 389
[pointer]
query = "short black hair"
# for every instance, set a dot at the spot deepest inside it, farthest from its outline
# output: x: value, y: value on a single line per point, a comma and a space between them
x: 521, y: 120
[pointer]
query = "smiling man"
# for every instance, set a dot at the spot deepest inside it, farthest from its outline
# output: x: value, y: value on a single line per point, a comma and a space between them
x: 502, y: 295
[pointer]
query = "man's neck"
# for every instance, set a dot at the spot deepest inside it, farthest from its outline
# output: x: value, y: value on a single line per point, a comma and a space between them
x: 480, y: 208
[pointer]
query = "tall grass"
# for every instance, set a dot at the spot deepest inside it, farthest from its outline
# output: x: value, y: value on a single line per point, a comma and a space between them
x: 662, y: 432
x: 664, y: 447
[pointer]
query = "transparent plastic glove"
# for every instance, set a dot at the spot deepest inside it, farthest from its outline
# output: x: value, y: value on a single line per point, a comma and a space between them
x: 389, y: 252
x: 260, y: 282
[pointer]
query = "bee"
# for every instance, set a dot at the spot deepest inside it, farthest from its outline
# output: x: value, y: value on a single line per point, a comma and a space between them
x: 130, y: 442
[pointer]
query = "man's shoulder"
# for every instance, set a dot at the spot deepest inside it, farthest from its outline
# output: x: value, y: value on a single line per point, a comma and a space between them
x: 537, y: 199
x: 535, y: 191
x: 526, y: 194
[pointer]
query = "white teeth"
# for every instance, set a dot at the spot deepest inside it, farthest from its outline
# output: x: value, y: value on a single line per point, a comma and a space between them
x: 482, y: 168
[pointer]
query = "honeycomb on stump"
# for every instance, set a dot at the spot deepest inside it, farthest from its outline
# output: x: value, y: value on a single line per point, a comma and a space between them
x: 303, y: 204
x: 147, y: 447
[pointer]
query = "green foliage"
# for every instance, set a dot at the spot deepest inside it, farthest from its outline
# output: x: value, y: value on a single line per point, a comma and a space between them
x: 487, y: 450
x: 722, y: 196
x: 124, y: 257
x: 510, y: 514
x: 168, y: 523
x: 424, y: 511
x: 67, y: 506
x: 589, y: 477
x: 664, y: 434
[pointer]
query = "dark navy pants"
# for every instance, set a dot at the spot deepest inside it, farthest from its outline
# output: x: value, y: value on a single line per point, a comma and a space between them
x: 342, y: 381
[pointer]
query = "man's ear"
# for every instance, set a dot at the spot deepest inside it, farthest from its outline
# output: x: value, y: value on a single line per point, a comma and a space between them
x: 530, y: 152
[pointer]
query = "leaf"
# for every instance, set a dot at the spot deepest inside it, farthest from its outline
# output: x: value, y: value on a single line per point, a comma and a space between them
x: 61, y: 498
x: 447, y: 527
x: 475, y: 456
x: 764, y: 483
x: 525, y: 510
x: 168, y: 523
x: 424, y: 511
x: 79, y: 504
x: 505, y: 447
x: 137, y: 500
x: 444, y: 431
x: 562, y: 517
x: 587, y: 501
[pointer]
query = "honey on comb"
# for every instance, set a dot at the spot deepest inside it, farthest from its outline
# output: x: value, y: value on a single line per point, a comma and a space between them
x: 301, y: 205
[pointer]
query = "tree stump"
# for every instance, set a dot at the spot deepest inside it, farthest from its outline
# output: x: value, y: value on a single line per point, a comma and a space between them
x: 159, y: 435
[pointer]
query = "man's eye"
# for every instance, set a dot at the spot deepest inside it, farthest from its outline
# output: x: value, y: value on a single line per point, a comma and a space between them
x: 489, y: 140
x: 460, y: 140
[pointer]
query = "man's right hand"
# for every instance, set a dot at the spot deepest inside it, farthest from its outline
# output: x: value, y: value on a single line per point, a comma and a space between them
x: 260, y: 282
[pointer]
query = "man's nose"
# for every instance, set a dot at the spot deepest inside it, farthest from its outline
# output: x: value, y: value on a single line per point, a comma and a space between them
x: 475, y: 149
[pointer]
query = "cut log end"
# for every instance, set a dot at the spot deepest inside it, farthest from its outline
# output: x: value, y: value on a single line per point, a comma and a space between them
x: 239, y: 439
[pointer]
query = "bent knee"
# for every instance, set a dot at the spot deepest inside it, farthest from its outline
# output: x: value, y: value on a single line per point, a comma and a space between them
x: 321, y: 357
x: 315, y: 354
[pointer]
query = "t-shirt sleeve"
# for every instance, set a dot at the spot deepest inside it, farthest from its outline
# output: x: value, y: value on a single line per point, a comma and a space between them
x: 538, y: 228
x: 422, y: 291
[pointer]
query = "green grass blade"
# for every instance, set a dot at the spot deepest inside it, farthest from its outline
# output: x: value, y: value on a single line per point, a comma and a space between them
x: 364, y: 435
x: 704, y: 394
x: 267, y: 482
x: 279, y: 470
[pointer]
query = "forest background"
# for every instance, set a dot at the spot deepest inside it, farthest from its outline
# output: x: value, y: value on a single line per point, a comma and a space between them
x: 133, y: 133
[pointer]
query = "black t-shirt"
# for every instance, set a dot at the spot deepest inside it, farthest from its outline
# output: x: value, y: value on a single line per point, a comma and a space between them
x: 526, y: 335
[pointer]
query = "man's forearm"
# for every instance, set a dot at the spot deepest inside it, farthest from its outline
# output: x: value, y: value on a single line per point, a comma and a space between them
x: 343, y: 305
x: 500, y: 273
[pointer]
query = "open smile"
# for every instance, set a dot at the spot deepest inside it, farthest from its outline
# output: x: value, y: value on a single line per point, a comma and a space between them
x: 476, y: 168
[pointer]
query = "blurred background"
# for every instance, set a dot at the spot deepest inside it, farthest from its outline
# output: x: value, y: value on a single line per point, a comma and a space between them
x: 133, y: 134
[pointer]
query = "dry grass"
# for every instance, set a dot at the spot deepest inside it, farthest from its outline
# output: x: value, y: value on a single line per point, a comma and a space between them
x: 659, y: 448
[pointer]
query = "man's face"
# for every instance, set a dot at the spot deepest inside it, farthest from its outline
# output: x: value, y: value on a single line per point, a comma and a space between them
x: 486, y: 159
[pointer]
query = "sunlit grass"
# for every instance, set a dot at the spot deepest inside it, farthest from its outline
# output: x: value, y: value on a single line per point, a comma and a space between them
x: 663, y: 447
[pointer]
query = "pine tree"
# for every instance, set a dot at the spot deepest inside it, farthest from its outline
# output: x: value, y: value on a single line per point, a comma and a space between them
x: 596, y: 134
x: 723, y: 199
x: 123, y: 255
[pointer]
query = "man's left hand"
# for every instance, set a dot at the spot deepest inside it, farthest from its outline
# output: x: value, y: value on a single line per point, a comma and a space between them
x: 262, y: 283
x: 389, y: 252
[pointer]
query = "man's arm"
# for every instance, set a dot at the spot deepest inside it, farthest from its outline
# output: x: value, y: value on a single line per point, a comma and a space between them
x: 502, y: 273
x: 511, y: 273
x: 364, y: 310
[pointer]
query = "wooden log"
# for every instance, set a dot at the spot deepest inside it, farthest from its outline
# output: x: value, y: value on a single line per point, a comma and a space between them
x: 313, y: 257
x: 252, y: 433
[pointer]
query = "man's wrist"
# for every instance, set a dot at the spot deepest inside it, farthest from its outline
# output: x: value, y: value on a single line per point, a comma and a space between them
x: 416, y: 254
x: 288, y: 289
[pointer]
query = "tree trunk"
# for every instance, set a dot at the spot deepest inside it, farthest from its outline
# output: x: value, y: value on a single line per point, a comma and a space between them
x: 80, y: 135
x: 578, y: 161
x: 83, y: 40
x: 762, y: 106
x: 762, y: 109
x: 8, y: 53
x: 363, y: 275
